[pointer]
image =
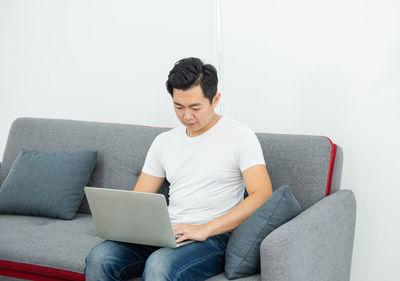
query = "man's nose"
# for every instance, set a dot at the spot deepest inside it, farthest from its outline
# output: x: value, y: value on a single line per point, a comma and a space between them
x: 187, y: 115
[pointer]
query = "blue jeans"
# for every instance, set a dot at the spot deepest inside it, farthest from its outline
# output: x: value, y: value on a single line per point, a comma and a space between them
x: 112, y: 260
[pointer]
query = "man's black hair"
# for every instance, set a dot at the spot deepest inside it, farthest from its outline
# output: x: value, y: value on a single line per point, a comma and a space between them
x: 190, y: 72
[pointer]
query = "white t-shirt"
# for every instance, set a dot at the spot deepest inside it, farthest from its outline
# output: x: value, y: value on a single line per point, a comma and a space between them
x: 204, y: 172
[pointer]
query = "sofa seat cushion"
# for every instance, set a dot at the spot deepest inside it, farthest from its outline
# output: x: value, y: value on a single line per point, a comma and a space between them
x: 47, y: 242
x: 57, y: 244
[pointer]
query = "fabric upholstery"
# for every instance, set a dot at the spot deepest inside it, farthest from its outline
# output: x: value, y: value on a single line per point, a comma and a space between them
x: 47, y: 184
x: 242, y: 256
x: 337, y: 171
x: 4, y: 278
x: 121, y: 148
x: 62, y: 244
x: 315, y: 245
x: 54, y: 243
x: 302, y: 162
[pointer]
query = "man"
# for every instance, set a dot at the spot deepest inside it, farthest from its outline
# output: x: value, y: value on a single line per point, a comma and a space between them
x: 207, y: 162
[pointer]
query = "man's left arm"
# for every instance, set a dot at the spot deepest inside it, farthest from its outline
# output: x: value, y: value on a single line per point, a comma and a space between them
x: 259, y: 189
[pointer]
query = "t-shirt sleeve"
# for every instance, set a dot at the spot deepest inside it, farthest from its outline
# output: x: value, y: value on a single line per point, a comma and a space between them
x: 152, y: 164
x: 248, y: 150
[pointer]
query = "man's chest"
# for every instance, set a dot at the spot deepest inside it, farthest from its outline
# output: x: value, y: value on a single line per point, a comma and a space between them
x: 186, y: 162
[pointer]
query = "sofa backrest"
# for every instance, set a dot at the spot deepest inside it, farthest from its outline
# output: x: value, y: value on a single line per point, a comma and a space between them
x: 308, y: 164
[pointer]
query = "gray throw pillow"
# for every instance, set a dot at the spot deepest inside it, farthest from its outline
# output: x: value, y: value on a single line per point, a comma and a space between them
x: 48, y: 184
x: 242, y: 256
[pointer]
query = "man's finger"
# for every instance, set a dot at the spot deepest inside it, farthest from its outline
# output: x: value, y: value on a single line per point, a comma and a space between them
x: 181, y: 239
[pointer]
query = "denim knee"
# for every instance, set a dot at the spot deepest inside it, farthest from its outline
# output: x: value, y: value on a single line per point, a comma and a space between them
x: 159, y: 266
x: 196, y: 261
x: 100, y: 263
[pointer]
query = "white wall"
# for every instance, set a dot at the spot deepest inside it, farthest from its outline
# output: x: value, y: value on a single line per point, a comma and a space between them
x: 327, y: 68
x: 98, y: 60
x: 306, y: 67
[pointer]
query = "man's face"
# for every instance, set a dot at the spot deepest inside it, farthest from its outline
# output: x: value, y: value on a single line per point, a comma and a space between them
x: 194, y: 110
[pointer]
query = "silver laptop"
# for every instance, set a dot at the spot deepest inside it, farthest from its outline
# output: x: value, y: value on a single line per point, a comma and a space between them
x: 133, y: 217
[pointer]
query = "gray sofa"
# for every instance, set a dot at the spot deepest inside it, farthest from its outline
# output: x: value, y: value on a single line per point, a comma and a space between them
x: 315, y: 245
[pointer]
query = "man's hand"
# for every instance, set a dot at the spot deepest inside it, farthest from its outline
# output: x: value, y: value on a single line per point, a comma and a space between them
x: 191, y: 232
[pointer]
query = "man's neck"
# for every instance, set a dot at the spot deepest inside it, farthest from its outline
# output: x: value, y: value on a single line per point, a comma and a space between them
x: 210, y: 124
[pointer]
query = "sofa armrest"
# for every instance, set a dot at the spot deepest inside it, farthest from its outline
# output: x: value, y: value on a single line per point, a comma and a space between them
x: 315, y: 245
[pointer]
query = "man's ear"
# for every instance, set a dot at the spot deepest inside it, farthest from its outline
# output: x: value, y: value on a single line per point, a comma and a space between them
x: 216, y: 99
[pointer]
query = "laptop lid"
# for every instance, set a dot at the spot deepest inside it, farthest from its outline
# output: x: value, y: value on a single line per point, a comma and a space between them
x: 133, y: 217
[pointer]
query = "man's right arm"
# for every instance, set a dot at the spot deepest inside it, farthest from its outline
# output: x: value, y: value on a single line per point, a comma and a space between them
x: 148, y: 183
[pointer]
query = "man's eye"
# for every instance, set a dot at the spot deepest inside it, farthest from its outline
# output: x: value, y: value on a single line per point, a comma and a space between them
x: 196, y: 108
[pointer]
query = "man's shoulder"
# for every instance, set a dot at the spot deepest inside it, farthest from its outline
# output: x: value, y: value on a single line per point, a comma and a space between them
x: 170, y: 134
x: 237, y: 127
